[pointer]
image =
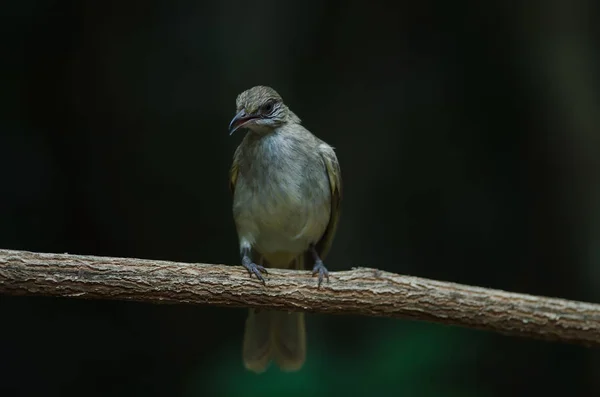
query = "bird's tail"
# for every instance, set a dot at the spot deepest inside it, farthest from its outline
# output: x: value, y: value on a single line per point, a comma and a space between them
x: 275, y: 335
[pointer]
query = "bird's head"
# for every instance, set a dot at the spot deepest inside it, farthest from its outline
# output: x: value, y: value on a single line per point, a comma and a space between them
x: 261, y: 110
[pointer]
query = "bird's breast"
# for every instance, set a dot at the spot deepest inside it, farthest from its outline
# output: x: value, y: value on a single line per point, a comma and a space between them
x: 282, y: 201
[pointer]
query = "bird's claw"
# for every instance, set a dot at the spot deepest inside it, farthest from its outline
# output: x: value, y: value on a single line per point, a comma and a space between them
x: 255, y: 269
x: 321, y: 270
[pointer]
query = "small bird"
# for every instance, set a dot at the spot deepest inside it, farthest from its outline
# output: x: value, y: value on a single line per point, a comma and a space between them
x: 287, y: 187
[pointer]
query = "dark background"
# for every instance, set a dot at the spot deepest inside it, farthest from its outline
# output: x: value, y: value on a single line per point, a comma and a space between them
x: 468, y: 138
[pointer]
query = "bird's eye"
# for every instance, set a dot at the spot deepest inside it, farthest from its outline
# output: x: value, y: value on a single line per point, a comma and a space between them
x: 267, y: 108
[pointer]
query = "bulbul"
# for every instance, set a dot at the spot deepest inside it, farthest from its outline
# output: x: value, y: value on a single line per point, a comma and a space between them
x: 286, y: 185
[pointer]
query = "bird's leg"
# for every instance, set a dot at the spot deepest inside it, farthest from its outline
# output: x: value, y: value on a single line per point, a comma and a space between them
x: 319, y: 267
x: 252, y: 267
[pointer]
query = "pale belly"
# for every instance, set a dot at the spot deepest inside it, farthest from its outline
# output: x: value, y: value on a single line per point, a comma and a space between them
x: 271, y: 222
x: 291, y: 229
x: 282, y: 198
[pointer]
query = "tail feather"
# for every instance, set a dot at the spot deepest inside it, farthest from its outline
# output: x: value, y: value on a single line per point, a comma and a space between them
x: 288, y: 340
x: 275, y: 335
x: 256, y: 349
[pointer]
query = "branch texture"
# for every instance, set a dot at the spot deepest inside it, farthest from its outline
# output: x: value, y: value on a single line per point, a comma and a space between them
x: 360, y: 291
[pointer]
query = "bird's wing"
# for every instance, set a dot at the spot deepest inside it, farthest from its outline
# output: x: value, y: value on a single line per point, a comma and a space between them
x: 233, y: 171
x: 335, y: 183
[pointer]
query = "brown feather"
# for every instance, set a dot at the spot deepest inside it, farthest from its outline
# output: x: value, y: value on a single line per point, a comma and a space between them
x: 334, y: 174
x: 233, y: 171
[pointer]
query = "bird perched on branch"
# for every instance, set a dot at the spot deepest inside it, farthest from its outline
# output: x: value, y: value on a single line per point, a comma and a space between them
x: 287, y: 187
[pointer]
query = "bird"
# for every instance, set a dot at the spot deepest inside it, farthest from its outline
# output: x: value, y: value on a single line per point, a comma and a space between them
x: 287, y: 189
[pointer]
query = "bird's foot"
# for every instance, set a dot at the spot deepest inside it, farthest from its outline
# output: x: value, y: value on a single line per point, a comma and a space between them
x: 321, y: 270
x: 253, y: 268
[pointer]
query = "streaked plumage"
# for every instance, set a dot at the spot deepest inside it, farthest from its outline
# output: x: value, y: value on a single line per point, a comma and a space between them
x: 286, y: 186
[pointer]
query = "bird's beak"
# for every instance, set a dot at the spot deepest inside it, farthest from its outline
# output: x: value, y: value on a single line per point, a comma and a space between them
x: 239, y: 120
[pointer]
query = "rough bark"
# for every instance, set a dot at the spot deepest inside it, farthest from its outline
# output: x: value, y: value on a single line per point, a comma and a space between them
x: 360, y: 291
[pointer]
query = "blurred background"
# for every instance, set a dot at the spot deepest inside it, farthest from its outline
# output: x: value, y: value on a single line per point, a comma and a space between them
x: 468, y: 138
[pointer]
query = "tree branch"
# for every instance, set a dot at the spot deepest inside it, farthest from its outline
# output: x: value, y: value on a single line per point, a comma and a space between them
x: 360, y: 291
